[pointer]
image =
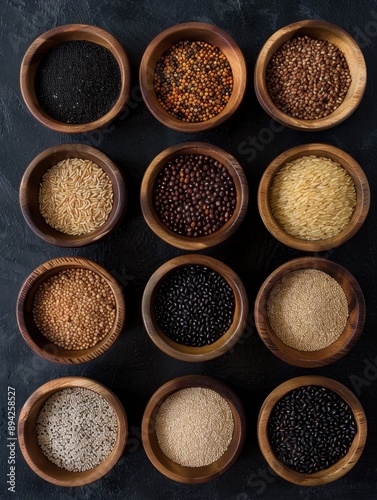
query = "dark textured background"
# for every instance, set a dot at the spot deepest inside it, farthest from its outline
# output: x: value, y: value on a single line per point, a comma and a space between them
x: 134, y: 368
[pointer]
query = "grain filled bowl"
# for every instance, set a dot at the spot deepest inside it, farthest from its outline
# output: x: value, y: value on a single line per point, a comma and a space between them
x: 180, y: 79
x: 75, y: 78
x: 210, y: 403
x: 295, y: 80
x: 70, y: 310
x: 194, y: 308
x: 327, y: 318
x: 311, y: 430
x: 313, y: 197
x: 72, y: 195
x: 67, y: 396
x: 194, y: 195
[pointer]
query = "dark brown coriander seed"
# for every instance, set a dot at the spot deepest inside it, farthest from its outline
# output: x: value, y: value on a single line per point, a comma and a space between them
x: 308, y: 78
x: 194, y: 195
x: 193, y: 81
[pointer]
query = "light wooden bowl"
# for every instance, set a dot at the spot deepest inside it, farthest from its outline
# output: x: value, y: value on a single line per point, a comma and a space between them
x: 181, y: 351
x: 321, y: 30
x: 186, y: 242
x: 194, y: 31
x: 348, y: 163
x: 33, y: 454
x: 30, y: 185
x: 34, y: 338
x: 341, y: 467
x: 172, y: 470
x: 350, y: 334
x: 43, y: 44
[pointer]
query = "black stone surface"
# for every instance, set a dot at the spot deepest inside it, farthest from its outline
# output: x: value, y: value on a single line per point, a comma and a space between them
x: 135, y: 368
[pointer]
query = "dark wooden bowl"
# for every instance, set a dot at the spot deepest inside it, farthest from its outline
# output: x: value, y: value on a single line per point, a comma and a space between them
x: 181, y: 351
x: 43, y: 44
x: 351, y: 332
x: 341, y: 467
x: 30, y: 185
x: 321, y: 30
x: 196, y: 32
x: 172, y: 470
x: 202, y: 242
x: 34, y: 338
x: 33, y: 454
x: 337, y: 155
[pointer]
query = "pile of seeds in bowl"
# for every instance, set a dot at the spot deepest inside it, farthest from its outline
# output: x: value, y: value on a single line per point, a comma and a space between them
x: 75, y: 196
x: 193, y: 81
x: 76, y: 429
x: 311, y: 428
x: 194, y: 195
x: 77, y: 82
x: 312, y: 198
x: 194, y: 305
x: 194, y: 426
x: 308, y: 78
x: 74, y: 309
x: 307, y: 309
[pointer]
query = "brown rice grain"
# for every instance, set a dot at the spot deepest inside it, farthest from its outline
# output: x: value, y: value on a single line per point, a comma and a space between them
x: 75, y: 196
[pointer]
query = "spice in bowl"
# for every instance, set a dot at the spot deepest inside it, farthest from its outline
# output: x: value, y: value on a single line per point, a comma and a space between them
x: 307, y: 309
x: 308, y: 78
x: 74, y: 309
x: 194, y: 195
x: 76, y: 196
x: 77, y: 82
x: 194, y: 305
x: 194, y: 426
x: 193, y: 81
x: 312, y: 198
x: 76, y: 429
x: 311, y: 428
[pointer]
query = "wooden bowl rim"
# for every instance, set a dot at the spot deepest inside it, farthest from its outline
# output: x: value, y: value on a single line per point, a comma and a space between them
x: 40, y: 395
x: 321, y: 357
x: 348, y: 163
x: 70, y: 150
x: 58, y: 35
x: 201, y: 473
x: 181, y: 351
x: 50, y: 351
x: 344, y: 110
x: 234, y: 169
x: 185, y: 30
x: 341, y: 467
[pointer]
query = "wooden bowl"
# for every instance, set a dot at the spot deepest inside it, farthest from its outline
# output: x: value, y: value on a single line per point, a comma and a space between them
x: 321, y: 30
x: 196, y: 32
x: 350, y: 334
x: 181, y: 351
x: 30, y: 185
x: 341, y: 467
x: 337, y: 155
x: 201, y: 242
x: 33, y: 454
x: 34, y: 338
x: 184, y: 474
x: 43, y: 44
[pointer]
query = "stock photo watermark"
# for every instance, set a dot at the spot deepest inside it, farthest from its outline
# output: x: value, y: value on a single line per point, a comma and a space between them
x: 11, y: 439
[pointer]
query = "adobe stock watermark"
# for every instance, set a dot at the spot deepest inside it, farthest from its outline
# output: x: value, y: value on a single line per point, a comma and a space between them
x: 364, y: 36
x: 11, y: 440
x: 258, y: 479
x: 254, y: 144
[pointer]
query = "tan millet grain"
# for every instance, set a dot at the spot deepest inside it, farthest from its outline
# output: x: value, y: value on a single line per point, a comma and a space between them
x: 307, y: 309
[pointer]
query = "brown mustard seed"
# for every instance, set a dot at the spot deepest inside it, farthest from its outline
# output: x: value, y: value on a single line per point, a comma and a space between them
x: 308, y: 78
x: 194, y: 195
x: 193, y: 81
x: 74, y: 309
x: 307, y: 309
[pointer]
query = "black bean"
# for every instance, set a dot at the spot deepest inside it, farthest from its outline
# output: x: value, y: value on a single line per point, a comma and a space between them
x: 294, y: 430
x: 194, y: 305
